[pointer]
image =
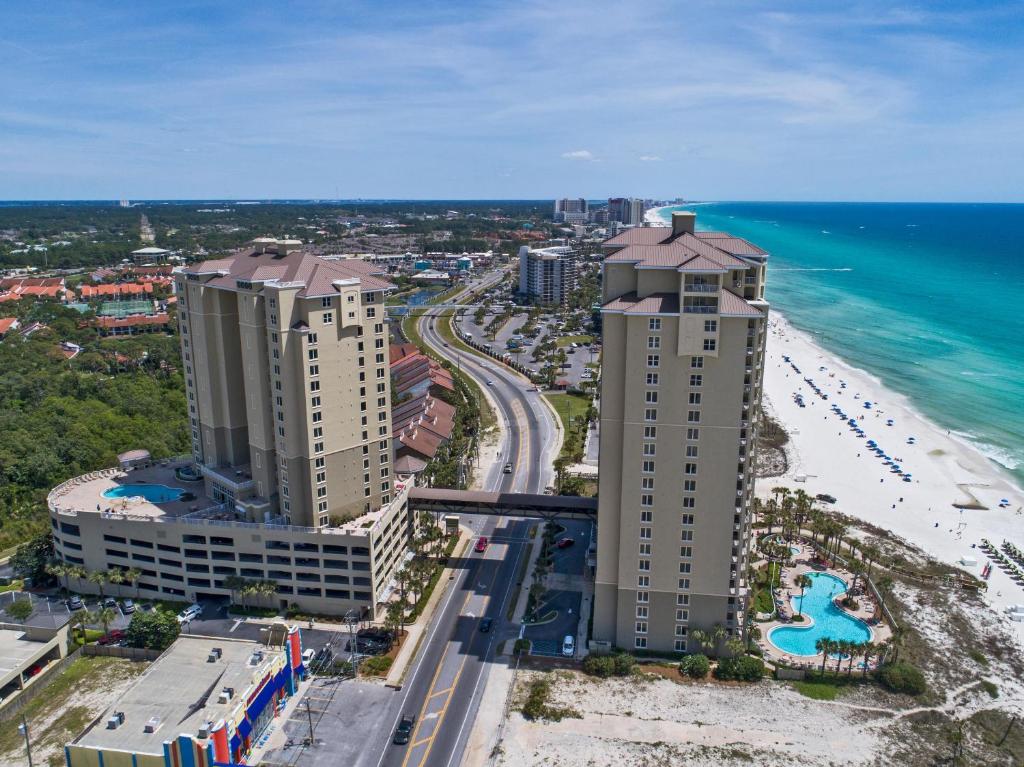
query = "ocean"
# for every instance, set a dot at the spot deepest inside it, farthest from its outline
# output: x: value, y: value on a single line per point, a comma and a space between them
x: 925, y: 297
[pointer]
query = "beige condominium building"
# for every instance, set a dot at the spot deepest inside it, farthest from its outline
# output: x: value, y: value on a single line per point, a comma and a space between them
x: 684, y: 321
x: 290, y: 478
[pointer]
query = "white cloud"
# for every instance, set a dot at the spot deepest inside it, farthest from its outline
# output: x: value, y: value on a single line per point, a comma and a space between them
x: 580, y: 154
x: 649, y: 158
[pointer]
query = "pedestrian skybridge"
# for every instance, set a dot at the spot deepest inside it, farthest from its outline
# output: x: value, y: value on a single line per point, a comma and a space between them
x: 441, y: 500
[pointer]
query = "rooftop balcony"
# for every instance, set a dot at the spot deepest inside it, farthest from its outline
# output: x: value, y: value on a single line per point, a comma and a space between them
x: 700, y: 287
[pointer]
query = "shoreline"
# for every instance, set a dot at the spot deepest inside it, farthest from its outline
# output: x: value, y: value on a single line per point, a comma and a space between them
x: 826, y: 456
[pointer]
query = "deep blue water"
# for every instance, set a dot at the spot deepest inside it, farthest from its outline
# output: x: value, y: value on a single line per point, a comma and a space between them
x: 924, y: 296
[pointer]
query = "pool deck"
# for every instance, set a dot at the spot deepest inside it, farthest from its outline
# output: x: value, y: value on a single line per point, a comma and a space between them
x: 868, y: 611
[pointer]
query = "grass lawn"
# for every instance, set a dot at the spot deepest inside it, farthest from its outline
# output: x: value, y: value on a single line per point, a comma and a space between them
x: 827, y: 687
x: 568, y: 406
x: 566, y: 340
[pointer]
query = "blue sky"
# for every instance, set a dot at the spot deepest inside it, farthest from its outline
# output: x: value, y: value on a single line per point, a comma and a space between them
x: 701, y: 99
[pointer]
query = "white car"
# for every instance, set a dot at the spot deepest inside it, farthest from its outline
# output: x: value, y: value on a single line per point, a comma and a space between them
x: 190, y: 613
x: 569, y: 646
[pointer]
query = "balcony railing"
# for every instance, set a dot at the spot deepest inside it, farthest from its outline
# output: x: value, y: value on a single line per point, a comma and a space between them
x: 700, y: 310
x: 700, y: 287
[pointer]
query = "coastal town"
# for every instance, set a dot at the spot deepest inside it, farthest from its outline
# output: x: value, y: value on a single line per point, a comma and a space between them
x: 506, y: 384
x: 496, y: 423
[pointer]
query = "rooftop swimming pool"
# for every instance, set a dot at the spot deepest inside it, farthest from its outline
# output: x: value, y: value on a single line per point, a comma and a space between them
x: 829, y: 620
x: 152, y: 493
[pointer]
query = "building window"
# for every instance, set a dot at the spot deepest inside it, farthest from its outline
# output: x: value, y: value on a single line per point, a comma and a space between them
x: 687, y: 519
x: 649, y: 448
x: 643, y: 597
x: 645, y: 549
x: 640, y: 643
x: 686, y: 552
x: 650, y: 432
x: 644, y: 565
x: 325, y: 302
x: 653, y: 360
x: 690, y: 485
x: 691, y: 451
x: 684, y: 568
x: 652, y: 379
x: 654, y: 323
x: 690, y: 468
x: 689, y: 503
x: 693, y: 416
x: 645, y: 533
x: 643, y: 581
x: 311, y: 338
x: 641, y: 627
x: 647, y: 467
x: 695, y: 398
x: 687, y: 535
x: 313, y: 354
x: 651, y: 398
x: 696, y: 379
x: 693, y: 434
x: 328, y: 318
x: 647, y: 483
x: 651, y: 414
x: 647, y: 500
x: 641, y: 611
x: 684, y: 584
x: 314, y: 370
x: 710, y: 326
x: 709, y: 344
x: 682, y: 599
x: 697, y: 362
x: 646, y: 516
x: 653, y: 342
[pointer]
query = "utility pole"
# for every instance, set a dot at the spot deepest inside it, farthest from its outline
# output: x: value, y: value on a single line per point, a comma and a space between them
x: 23, y: 729
x: 309, y: 716
x: 351, y: 620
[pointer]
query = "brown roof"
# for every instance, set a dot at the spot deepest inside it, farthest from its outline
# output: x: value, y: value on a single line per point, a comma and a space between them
x: 316, y: 274
x: 655, y: 247
x: 656, y: 303
x: 6, y: 323
x: 135, y: 320
x: 736, y: 306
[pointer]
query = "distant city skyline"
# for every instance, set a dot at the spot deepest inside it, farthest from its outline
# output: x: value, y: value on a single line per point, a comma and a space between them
x: 501, y: 100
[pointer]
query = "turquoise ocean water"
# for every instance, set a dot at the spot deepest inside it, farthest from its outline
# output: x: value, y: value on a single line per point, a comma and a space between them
x: 925, y: 297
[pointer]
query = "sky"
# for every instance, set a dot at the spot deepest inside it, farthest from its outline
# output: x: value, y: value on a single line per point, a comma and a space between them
x: 512, y: 100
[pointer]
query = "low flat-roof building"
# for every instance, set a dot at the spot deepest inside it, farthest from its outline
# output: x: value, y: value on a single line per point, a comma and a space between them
x: 204, y: 701
x: 25, y: 652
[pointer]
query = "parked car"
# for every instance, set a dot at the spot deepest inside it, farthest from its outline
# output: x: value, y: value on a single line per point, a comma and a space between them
x: 404, y: 730
x: 825, y: 497
x: 481, y: 543
x: 569, y: 646
x: 485, y: 625
x: 115, y: 636
x: 110, y: 602
x: 75, y: 603
x: 190, y: 613
x: 127, y: 607
x: 564, y: 543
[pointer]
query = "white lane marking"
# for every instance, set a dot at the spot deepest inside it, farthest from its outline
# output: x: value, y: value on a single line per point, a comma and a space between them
x: 238, y: 622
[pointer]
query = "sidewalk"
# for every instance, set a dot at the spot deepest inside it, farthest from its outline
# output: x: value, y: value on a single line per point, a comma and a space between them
x: 414, y: 633
x: 277, y: 738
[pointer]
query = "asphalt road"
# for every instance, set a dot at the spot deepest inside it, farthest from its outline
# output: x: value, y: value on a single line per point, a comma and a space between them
x: 444, y: 685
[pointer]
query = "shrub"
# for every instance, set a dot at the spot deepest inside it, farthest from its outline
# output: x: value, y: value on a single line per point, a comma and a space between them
x: 623, y: 664
x: 378, y: 665
x: 902, y: 677
x: 695, y: 666
x: 990, y: 688
x: 602, y: 666
x: 521, y: 646
x: 743, y: 669
x: 155, y: 630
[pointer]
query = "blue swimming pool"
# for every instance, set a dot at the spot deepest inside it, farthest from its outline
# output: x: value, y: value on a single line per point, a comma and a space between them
x: 152, y: 493
x: 829, y: 620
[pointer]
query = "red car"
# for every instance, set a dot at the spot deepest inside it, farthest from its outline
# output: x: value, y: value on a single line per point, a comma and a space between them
x: 481, y: 543
x: 564, y: 543
x: 115, y: 636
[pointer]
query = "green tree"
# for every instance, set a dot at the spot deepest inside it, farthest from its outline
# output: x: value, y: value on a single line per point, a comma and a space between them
x: 132, y: 575
x: 103, y: 616
x: 804, y: 582
x: 20, y: 609
x: 97, y: 578
x: 32, y: 557
x: 154, y: 630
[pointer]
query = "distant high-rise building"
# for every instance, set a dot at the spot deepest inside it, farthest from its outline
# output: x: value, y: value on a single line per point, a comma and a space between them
x: 684, y: 326
x: 571, y: 211
x: 547, y: 275
x: 599, y: 216
x: 626, y: 210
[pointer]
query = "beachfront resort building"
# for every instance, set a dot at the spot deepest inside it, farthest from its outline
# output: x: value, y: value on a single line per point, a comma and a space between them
x: 547, y: 275
x: 571, y: 211
x: 684, y: 326
x: 290, y: 477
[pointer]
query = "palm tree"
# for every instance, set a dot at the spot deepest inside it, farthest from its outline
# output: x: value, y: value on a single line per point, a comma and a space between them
x: 716, y: 635
x: 97, y: 578
x: 115, y: 576
x: 234, y: 583
x: 868, y: 649
x: 804, y: 581
x: 842, y: 647
x: 824, y: 646
x: 856, y: 648
x: 856, y: 567
x: 132, y: 575
x: 60, y: 571
x: 701, y: 637
x: 870, y: 553
x: 103, y: 616
x: 77, y: 621
x: 78, y: 573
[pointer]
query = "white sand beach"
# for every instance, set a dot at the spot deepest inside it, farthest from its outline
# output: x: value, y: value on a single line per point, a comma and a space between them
x: 826, y: 456
x: 652, y: 216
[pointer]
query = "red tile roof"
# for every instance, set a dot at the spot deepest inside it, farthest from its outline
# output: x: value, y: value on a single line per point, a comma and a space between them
x: 6, y: 323
x: 134, y: 320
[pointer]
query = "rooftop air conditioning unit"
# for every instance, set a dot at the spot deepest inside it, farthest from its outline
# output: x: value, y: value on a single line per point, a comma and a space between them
x: 214, y: 655
x: 225, y: 695
x: 152, y: 724
x: 204, y: 730
x: 116, y: 720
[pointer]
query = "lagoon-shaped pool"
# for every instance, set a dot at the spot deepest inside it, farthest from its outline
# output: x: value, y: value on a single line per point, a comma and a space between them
x: 829, y: 621
x: 152, y: 493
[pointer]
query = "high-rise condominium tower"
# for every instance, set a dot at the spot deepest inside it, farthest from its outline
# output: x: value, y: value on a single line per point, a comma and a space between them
x: 286, y: 369
x: 684, y: 332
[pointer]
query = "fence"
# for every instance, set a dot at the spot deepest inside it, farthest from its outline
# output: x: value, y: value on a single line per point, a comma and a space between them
x: 131, y: 653
x: 11, y: 709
